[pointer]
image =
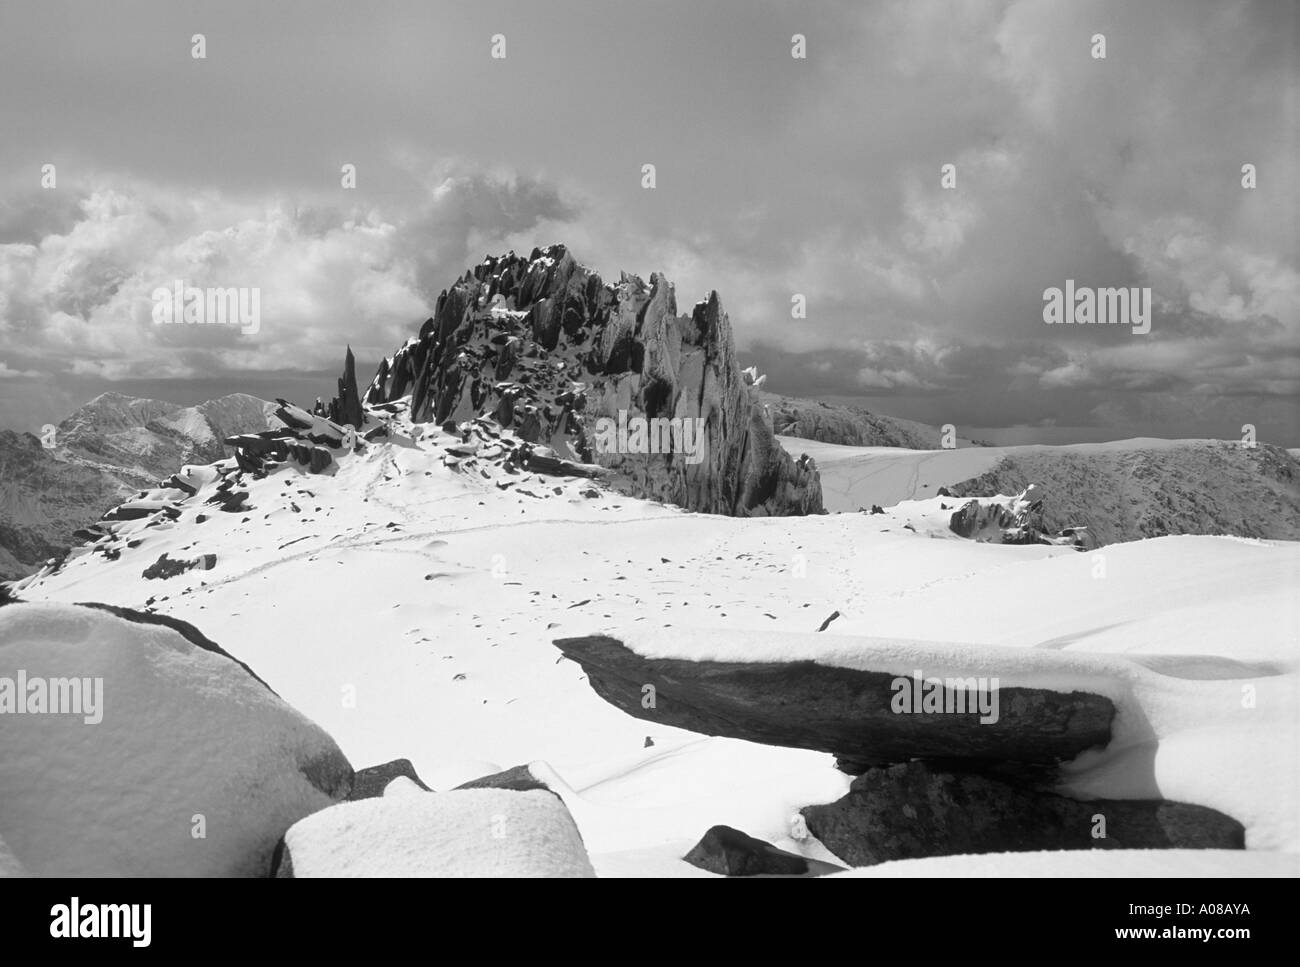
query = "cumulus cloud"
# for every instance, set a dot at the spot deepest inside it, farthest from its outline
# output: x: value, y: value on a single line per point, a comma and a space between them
x: 81, y: 298
x: 6, y: 372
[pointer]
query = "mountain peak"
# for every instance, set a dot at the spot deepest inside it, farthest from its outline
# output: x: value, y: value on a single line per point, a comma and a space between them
x: 545, y: 347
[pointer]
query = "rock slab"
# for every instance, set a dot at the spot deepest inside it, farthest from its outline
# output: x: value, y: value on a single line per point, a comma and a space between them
x: 913, y: 810
x: 843, y: 711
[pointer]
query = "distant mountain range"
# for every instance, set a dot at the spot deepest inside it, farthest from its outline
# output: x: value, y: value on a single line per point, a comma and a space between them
x: 103, y: 453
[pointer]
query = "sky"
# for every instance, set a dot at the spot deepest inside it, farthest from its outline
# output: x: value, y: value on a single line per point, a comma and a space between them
x: 775, y: 177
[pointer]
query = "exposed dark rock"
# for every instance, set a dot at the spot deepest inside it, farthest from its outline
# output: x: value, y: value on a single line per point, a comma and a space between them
x: 320, y: 460
x: 844, y: 711
x: 518, y: 778
x: 346, y: 407
x: 530, y: 458
x: 1015, y: 521
x: 293, y: 416
x: 729, y: 852
x: 372, y: 780
x: 912, y: 810
x: 174, y: 482
x: 281, y: 862
x: 168, y: 567
x: 827, y: 623
x: 231, y: 501
x: 129, y: 512
x: 256, y: 444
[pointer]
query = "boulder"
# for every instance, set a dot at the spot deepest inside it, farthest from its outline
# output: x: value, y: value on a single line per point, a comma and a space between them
x: 373, y: 780
x: 845, y: 711
x: 729, y: 852
x: 914, y: 809
x: 259, y: 445
x: 155, y: 756
x: 320, y: 460
x: 168, y: 567
x: 462, y: 833
x: 518, y: 778
x: 230, y: 501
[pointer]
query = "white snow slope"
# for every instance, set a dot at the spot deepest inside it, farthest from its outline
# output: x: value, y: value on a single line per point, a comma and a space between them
x: 408, y: 608
x: 857, y: 477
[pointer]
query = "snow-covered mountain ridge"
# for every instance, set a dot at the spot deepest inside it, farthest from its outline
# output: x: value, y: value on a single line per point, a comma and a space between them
x: 423, y: 578
x: 414, y: 587
x: 1119, y: 491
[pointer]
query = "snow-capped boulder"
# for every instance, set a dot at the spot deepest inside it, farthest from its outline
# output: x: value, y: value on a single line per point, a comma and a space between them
x: 545, y: 347
x: 462, y: 833
x: 851, y: 712
x: 182, y: 628
x: 154, y: 755
x: 912, y: 810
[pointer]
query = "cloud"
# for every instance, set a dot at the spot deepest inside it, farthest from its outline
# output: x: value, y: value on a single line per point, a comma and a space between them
x: 777, y: 177
x: 80, y: 298
x: 6, y: 372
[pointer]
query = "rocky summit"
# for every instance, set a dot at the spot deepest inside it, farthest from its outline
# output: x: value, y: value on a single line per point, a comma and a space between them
x: 547, y: 348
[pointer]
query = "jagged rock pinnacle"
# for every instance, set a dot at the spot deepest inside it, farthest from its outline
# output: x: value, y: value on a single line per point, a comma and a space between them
x: 605, y: 374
